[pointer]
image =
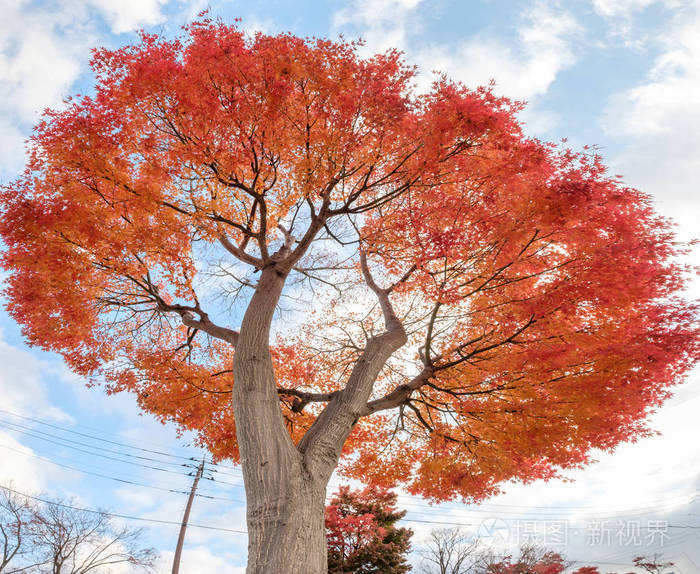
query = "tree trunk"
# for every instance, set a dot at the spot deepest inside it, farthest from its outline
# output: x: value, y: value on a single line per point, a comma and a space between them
x: 285, y: 484
x: 285, y: 502
x: 288, y: 535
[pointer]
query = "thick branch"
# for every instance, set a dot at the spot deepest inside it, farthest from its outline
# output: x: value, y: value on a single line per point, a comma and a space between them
x: 239, y: 253
x: 401, y: 394
x: 286, y: 248
x: 303, y: 398
x: 323, y: 442
x: 207, y: 326
x: 189, y: 319
x: 318, y: 221
x: 391, y: 321
x: 186, y: 312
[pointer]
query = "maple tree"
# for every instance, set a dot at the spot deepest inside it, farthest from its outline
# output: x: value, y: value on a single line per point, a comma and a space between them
x: 652, y: 564
x: 361, y: 532
x: 471, y: 305
x: 532, y: 560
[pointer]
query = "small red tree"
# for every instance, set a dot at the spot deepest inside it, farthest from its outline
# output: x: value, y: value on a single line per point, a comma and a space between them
x: 488, y: 307
x: 587, y: 570
x: 532, y: 560
x: 653, y: 564
x: 362, y: 535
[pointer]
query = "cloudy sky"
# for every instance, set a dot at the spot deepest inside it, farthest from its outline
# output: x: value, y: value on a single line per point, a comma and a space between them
x: 621, y: 74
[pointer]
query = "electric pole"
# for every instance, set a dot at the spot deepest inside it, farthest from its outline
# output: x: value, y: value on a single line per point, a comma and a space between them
x: 186, y: 517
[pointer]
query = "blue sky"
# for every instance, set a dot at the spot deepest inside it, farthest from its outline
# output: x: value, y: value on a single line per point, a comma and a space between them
x: 620, y: 74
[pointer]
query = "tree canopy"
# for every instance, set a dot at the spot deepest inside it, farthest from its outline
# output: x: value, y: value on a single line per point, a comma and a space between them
x: 469, y: 305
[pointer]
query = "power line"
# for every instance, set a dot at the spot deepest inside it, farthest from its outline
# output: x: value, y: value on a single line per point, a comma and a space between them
x: 37, y: 434
x: 169, y: 471
x: 60, y: 441
x: 29, y: 430
x: 174, y: 491
x: 114, y: 451
x: 507, y: 514
x: 410, y: 501
x: 231, y: 530
x: 217, y: 467
x: 483, y: 507
x: 161, y: 453
x: 553, y: 512
x: 235, y: 531
x: 435, y: 522
x: 689, y: 497
x: 116, y: 479
x: 124, y: 516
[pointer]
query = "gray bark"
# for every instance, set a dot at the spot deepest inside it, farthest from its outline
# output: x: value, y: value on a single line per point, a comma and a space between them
x: 285, y: 503
x: 286, y: 484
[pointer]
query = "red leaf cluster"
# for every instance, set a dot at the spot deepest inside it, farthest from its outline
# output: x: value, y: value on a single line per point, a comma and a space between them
x: 538, y: 295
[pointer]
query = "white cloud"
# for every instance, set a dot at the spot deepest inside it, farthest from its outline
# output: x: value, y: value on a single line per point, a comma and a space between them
x: 619, y: 7
x: 41, y: 53
x: 11, y: 145
x: 659, y: 119
x: 22, y: 387
x: 36, y: 66
x: 523, y: 69
x: 43, y: 50
x: 135, y: 499
x: 383, y: 24
x: 129, y: 15
x: 252, y: 25
x: 625, y: 8
x: 621, y: 18
x: 670, y: 90
x: 199, y: 560
x: 24, y: 392
x: 192, y: 8
x: 22, y: 471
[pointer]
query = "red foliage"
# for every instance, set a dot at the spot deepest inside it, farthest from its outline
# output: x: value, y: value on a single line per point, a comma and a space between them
x: 652, y: 564
x: 539, y: 294
x: 532, y: 560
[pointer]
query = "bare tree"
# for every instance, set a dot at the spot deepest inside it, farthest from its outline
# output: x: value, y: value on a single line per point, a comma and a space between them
x: 449, y: 551
x: 69, y: 540
x: 15, y: 515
